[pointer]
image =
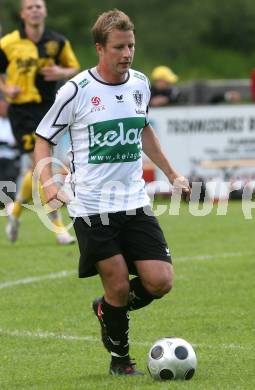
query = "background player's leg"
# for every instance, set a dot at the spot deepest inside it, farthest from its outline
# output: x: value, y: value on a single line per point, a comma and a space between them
x: 63, y: 237
x: 24, y: 195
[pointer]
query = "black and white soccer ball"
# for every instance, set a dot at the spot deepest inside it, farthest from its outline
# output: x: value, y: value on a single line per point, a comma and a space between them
x: 172, y: 358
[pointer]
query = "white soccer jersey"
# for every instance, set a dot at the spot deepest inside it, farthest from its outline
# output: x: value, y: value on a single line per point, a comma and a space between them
x: 105, y: 122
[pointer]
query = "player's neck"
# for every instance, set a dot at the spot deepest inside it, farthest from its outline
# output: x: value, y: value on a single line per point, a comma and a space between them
x: 34, y: 33
x: 109, y: 77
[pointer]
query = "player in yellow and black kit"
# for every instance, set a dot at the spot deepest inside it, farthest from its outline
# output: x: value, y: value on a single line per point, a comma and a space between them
x: 24, y: 62
x: 33, y: 60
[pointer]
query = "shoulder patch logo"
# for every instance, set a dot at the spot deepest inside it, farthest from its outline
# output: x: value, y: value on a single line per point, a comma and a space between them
x: 83, y: 83
x: 138, y: 97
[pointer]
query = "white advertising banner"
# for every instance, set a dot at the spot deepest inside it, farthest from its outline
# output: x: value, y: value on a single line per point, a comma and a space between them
x: 195, y: 138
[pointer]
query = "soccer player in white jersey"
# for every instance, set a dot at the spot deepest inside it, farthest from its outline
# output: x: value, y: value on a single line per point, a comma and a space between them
x: 105, y: 111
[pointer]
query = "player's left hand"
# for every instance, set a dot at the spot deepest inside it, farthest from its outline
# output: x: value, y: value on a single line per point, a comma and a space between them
x: 181, y: 183
x: 52, y: 73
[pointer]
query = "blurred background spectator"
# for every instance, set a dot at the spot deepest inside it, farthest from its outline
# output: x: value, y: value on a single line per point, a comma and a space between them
x: 163, y: 93
x: 231, y: 96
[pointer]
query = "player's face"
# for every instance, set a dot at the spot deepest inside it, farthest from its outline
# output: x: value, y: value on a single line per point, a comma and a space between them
x: 33, y: 12
x: 116, y: 57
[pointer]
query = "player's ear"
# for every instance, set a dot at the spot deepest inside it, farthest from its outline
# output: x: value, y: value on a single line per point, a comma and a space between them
x: 99, y: 49
x: 21, y: 13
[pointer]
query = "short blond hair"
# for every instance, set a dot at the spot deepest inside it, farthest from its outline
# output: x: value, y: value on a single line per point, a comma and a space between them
x: 109, y: 21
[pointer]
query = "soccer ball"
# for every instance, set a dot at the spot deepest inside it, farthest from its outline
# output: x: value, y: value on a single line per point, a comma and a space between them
x: 172, y: 358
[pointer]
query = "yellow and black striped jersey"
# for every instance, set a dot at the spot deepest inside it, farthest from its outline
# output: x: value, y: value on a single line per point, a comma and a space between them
x: 21, y: 60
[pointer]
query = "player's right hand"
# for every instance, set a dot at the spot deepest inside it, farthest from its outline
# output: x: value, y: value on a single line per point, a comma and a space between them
x: 11, y: 91
x: 55, y: 197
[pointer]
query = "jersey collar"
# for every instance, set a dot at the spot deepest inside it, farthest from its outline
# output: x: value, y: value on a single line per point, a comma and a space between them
x: 105, y: 83
x: 23, y: 34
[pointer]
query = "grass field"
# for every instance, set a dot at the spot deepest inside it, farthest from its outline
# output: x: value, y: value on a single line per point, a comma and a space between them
x: 49, y: 337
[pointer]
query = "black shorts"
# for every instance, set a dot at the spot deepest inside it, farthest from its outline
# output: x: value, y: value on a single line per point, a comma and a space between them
x: 24, y: 119
x: 136, y: 237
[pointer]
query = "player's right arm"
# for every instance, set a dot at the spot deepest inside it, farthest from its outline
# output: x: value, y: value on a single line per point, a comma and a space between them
x: 43, y: 154
x: 54, y: 196
x: 55, y: 123
x: 10, y: 91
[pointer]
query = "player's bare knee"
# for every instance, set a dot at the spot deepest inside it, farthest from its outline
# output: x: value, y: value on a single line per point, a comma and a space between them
x: 120, y: 289
x: 159, y: 287
x: 164, y: 287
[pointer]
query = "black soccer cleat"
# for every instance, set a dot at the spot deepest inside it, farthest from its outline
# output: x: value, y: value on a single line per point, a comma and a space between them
x: 124, y: 368
x: 97, y: 308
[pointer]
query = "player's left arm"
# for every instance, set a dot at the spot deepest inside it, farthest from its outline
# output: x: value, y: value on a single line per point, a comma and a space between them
x: 152, y: 148
x: 68, y: 60
x: 54, y: 196
x: 69, y: 65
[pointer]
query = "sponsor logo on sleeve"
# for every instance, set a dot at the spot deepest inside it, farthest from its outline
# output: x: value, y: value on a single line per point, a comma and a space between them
x: 83, y: 83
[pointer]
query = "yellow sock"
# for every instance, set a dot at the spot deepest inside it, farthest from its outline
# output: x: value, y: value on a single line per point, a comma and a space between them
x: 41, y: 192
x: 17, y: 207
x: 24, y: 194
x: 54, y: 215
x: 56, y: 219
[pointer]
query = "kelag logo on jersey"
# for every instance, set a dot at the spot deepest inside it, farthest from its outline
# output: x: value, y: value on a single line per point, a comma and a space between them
x: 115, y: 141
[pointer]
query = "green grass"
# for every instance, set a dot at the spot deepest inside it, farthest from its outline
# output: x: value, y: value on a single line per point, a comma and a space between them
x: 211, y: 305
